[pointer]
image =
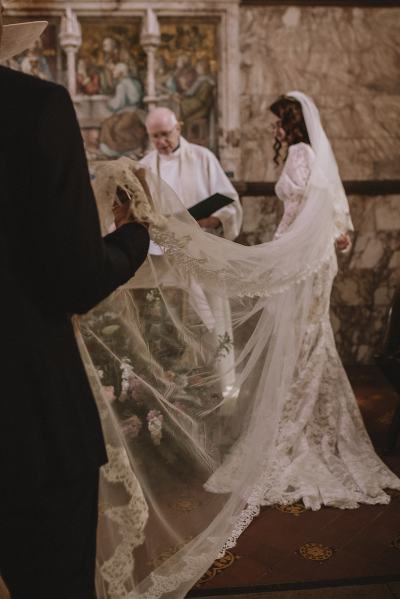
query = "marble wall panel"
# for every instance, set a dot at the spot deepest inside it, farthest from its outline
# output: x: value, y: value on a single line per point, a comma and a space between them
x: 347, y: 59
x: 261, y: 216
x: 367, y: 276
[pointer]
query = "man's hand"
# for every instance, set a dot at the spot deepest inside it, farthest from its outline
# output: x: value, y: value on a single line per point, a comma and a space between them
x: 343, y: 242
x: 123, y: 215
x: 211, y: 222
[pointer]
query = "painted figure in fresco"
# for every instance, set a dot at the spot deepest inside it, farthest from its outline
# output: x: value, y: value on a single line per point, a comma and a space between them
x: 185, y: 75
x: 54, y: 263
x: 111, y: 56
x: 32, y: 62
x: 94, y: 72
x: 35, y: 62
x: 197, y: 101
x: 190, y: 38
x: 88, y: 78
x: 165, y: 81
x: 124, y: 132
x: 91, y: 137
x: 128, y: 90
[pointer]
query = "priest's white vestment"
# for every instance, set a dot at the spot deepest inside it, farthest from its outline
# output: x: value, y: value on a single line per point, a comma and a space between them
x: 194, y: 173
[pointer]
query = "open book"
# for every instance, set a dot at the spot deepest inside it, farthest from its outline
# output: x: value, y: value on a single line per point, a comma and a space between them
x: 208, y: 206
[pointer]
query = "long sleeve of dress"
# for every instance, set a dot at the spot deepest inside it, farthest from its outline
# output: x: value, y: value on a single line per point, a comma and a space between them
x: 292, y: 183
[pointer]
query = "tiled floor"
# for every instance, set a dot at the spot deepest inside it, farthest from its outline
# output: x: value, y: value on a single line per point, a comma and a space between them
x: 359, y: 546
x: 373, y: 591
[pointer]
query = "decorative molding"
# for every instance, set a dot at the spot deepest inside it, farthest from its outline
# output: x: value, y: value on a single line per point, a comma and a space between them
x: 344, y: 3
x: 119, y: 7
x: 359, y: 188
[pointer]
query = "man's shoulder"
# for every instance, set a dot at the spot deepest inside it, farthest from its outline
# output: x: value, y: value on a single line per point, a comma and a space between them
x: 148, y: 159
x: 15, y: 82
x: 202, y: 151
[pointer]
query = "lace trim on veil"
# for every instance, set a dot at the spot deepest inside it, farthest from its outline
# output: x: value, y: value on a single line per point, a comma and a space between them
x: 235, y: 274
x: 130, y: 520
x: 175, y: 246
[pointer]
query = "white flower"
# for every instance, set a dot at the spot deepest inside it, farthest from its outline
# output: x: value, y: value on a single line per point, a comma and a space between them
x: 134, y: 385
x: 127, y: 374
x: 154, y: 425
x: 110, y: 329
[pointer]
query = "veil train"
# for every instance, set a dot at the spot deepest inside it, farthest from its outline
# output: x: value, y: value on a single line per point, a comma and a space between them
x: 190, y: 434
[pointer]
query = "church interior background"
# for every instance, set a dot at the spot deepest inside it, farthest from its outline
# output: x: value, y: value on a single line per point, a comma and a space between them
x: 219, y: 64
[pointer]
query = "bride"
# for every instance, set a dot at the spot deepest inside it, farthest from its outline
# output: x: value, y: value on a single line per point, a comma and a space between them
x: 190, y: 465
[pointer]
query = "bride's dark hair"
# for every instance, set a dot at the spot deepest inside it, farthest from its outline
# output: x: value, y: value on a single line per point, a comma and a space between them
x: 290, y: 114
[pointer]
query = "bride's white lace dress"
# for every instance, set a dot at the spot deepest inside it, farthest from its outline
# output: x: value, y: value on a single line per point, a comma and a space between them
x: 322, y: 454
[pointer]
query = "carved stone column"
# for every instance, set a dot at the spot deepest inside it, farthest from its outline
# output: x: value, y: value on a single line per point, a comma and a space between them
x: 150, y: 40
x: 70, y: 40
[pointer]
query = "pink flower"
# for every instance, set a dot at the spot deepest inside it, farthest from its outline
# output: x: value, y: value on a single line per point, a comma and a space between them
x: 169, y: 375
x: 152, y: 414
x: 109, y: 393
x: 135, y: 385
x: 195, y: 379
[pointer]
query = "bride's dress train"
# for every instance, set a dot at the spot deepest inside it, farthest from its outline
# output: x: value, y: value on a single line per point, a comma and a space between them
x: 190, y: 464
x: 322, y: 454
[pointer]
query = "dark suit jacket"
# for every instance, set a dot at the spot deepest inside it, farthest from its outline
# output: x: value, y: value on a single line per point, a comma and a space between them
x: 53, y: 263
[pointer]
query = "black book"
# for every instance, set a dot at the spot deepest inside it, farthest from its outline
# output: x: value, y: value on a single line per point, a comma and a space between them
x: 206, y: 207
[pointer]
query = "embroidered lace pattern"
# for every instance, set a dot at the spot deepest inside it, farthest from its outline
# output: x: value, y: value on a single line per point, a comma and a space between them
x: 176, y: 246
x: 291, y: 185
x: 130, y: 519
x: 323, y: 455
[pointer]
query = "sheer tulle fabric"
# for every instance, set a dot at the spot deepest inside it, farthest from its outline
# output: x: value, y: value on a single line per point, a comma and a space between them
x: 193, y: 363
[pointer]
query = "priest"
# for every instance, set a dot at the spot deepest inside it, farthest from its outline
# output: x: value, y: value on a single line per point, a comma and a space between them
x: 192, y: 171
x: 195, y: 174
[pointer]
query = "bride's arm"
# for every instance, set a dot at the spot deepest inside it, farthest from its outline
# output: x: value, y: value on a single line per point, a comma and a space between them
x: 292, y: 184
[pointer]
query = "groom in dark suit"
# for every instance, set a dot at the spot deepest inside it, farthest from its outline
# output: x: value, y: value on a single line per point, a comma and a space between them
x: 53, y: 263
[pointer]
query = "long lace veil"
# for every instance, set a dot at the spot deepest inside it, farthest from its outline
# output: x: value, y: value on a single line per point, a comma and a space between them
x: 191, y: 362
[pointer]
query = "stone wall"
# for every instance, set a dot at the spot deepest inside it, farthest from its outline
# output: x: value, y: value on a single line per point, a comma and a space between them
x: 367, y: 275
x: 348, y: 60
